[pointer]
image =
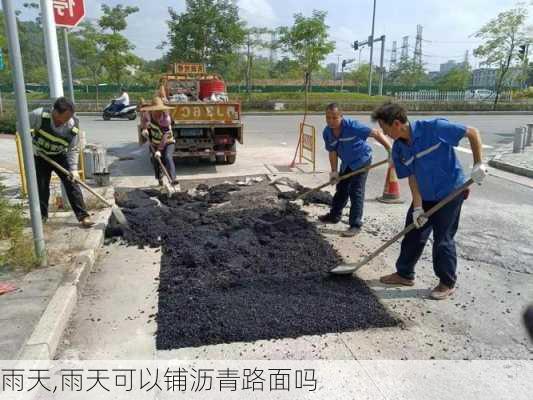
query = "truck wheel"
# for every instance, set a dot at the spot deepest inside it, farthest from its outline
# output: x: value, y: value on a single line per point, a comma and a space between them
x: 232, y: 158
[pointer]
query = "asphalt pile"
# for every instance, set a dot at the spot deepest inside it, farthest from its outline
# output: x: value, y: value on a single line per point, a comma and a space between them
x: 238, y: 266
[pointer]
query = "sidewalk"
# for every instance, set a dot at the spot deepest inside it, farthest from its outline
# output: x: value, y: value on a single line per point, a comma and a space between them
x: 34, y: 316
x: 519, y: 163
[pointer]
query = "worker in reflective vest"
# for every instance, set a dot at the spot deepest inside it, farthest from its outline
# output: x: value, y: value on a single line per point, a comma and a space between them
x: 423, y: 152
x: 55, y: 134
x: 156, y: 126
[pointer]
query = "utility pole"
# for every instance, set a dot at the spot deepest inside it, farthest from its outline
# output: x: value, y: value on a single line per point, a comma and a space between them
x: 52, y: 51
x: 371, y: 43
x: 249, y: 64
x: 69, y: 67
x: 381, y: 66
x: 418, y: 46
x: 24, y: 129
x: 394, y: 55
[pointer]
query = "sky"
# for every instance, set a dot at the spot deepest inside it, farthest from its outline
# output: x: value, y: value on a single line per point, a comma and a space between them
x: 448, y: 26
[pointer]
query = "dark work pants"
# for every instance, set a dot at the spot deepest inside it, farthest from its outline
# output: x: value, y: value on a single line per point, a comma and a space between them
x: 354, y: 189
x: 167, y: 157
x: 44, y: 174
x: 443, y: 224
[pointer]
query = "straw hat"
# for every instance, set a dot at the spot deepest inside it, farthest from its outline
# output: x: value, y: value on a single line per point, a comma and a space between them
x: 157, y: 105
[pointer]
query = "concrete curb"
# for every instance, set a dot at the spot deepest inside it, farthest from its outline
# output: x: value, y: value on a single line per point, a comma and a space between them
x: 511, y: 168
x: 46, y: 337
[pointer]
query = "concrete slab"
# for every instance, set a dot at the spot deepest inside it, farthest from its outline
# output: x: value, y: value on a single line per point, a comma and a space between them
x: 115, y: 314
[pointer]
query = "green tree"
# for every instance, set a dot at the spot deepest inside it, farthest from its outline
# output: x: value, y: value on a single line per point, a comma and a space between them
x: 86, y: 45
x: 116, y: 55
x: 114, y: 18
x: 502, y: 35
x: 308, y: 42
x: 359, y: 76
x: 456, y: 79
x: 286, y: 69
x: 208, y: 31
x: 408, y: 73
x: 254, y: 40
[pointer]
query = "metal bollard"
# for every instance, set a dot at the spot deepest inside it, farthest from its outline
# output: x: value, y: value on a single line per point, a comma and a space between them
x: 518, y: 140
x: 529, y: 136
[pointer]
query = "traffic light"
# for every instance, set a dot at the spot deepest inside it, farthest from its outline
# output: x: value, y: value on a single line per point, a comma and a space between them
x: 356, y: 45
x: 522, y: 51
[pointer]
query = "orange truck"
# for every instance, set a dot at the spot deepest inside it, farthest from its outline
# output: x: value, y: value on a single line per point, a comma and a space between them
x: 205, y: 123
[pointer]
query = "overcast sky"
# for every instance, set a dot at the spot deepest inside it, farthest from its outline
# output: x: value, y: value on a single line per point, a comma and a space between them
x: 447, y: 25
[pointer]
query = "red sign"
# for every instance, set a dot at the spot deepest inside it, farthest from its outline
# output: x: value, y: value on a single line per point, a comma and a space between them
x: 68, y: 13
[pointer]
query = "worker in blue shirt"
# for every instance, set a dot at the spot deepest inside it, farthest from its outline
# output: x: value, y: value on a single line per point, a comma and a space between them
x: 423, y: 152
x: 346, y: 139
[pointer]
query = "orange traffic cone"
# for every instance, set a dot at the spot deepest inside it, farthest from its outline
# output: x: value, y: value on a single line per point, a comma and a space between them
x: 391, y: 192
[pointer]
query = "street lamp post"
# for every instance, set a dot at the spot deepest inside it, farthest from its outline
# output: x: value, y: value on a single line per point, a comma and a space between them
x: 371, y: 43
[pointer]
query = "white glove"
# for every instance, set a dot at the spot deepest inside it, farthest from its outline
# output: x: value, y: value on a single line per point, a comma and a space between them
x: 333, y: 177
x: 479, y: 172
x: 157, y: 154
x: 74, y: 175
x: 144, y: 133
x: 418, y: 219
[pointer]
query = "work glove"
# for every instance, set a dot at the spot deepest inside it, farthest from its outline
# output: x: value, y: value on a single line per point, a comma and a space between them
x: 334, y: 177
x: 479, y: 172
x: 144, y: 133
x: 157, y: 154
x: 74, y: 175
x: 418, y: 219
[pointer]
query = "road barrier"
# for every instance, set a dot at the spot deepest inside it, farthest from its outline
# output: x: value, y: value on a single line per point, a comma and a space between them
x: 308, y: 144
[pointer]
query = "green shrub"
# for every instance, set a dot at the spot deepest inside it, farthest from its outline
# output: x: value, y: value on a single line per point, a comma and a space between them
x: 19, y: 252
x: 8, y: 123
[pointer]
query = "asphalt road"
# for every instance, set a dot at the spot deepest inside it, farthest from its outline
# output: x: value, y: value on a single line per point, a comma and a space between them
x: 481, y: 321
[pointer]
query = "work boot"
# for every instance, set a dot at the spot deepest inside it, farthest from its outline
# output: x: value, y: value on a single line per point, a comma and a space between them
x: 441, y: 292
x: 351, y: 231
x: 86, y: 222
x: 395, y: 279
x: 328, y: 219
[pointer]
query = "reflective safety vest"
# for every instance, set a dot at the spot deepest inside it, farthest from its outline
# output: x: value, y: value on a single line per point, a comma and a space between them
x: 156, y: 134
x: 49, y: 142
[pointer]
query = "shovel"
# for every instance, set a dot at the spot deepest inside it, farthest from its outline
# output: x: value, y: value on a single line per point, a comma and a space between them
x: 348, y: 269
x: 168, y: 186
x: 117, y: 212
x: 343, y: 177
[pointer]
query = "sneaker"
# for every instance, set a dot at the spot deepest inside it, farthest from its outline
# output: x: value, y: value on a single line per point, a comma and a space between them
x: 86, y: 222
x: 351, y: 232
x: 395, y: 279
x: 441, y: 292
x: 328, y: 219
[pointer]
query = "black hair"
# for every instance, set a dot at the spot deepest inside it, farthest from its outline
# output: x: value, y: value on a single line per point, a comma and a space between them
x: 62, y: 104
x: 333, y: 107
x: 389, y: 112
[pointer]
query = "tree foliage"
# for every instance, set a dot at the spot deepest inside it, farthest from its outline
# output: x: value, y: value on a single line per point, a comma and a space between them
x: 208, y: 31
x: 307, y: 40
x: 502, y: 35
x: 456, y: 79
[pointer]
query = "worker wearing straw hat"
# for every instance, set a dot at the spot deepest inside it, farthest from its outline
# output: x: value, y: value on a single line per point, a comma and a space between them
x: 156, y: 126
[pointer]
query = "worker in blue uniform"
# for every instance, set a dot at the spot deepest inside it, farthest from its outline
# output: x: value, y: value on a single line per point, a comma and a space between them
x: 423, y: 151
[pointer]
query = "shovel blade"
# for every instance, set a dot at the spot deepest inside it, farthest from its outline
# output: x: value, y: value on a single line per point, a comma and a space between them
x: 344, y: 269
